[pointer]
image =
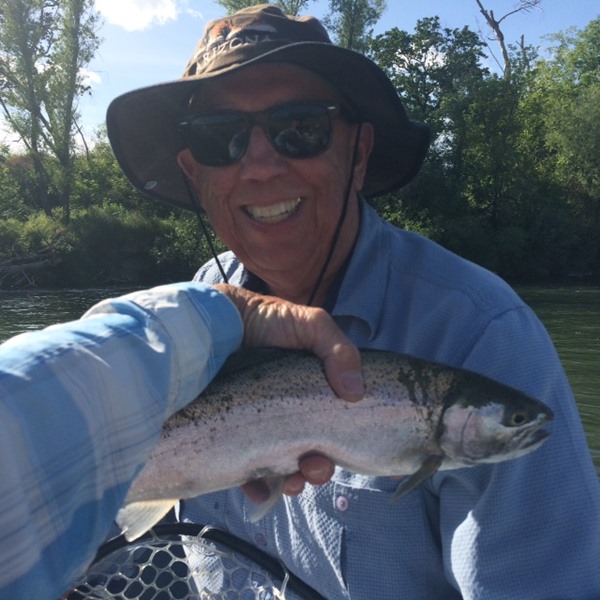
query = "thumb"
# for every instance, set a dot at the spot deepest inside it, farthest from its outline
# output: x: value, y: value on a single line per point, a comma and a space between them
x: 271, y: 321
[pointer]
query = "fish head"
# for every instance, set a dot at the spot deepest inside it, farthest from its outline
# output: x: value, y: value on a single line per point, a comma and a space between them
x: 487, y: 422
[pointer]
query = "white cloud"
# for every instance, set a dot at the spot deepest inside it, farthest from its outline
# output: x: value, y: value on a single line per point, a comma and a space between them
x: 135, y: 15
x: 90, y: 78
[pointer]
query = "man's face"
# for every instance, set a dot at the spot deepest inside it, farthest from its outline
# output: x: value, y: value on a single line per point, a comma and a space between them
x: 277, y: 214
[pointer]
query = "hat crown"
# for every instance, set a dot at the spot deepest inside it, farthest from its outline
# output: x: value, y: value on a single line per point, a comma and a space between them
x: 249, y: 33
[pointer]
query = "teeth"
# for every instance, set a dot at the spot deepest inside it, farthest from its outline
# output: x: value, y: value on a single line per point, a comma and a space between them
x: 275, y: 212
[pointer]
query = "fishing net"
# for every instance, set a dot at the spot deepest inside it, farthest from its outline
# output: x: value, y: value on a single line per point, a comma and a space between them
x: 187, y: 561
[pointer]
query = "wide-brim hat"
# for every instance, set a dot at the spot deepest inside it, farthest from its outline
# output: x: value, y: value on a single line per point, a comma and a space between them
x: 143, y: 124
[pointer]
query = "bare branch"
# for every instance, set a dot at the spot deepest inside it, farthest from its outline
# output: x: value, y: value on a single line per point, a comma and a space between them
x: 494, y: 24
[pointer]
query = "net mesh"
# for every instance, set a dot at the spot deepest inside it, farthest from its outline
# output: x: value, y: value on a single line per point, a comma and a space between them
x: 206, y: 565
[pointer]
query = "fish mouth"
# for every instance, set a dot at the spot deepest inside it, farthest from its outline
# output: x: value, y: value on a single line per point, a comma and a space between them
x: 274, y: 213
x: 536, y: 435
x: 534, y: 439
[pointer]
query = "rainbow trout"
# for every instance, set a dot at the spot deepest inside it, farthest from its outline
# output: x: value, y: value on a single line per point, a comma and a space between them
x: 256, y: 422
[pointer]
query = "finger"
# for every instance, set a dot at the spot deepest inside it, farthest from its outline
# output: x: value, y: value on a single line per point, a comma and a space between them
x: 294, y: 484
x: 316, y: 469
x: 271, y: 321
x: 257, y: 491
x: 343, y: 371
x: 341, y: 359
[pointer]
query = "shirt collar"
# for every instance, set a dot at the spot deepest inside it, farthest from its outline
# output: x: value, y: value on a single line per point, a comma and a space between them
x: 361, y: 292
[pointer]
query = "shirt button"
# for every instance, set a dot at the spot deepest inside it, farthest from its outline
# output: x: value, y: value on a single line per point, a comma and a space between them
x: 342, y: 503
x: 260, y: 539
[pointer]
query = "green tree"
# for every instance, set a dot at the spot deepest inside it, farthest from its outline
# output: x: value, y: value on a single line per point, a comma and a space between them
x: 479, y: 193
x: 429, y: 66
x: 352, y: 21
x: 45, y: 46
x: 99, y: 180
x: 565, y: 98
x: 435, y: 71
x: 11, y: 200
x: 289, y: 7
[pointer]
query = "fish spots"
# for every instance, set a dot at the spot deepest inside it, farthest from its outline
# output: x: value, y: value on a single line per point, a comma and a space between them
x: 425, y: 384
x: 426, y: 387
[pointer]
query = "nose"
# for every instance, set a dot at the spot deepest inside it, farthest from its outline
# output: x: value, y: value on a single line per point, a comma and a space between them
x: 261, y: 160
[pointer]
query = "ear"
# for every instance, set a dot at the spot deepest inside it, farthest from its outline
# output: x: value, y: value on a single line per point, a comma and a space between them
x: 187, y: 164
x: 363, y: 152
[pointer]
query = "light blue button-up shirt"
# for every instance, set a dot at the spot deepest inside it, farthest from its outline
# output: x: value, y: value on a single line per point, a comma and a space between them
x: 523, y: 529
x: 81, y: 406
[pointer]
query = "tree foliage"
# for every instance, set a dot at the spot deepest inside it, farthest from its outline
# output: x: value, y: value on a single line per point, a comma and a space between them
x: 45, y: 46
x: 512, y: 180
x: 351, y: 21
x: 289, y: 7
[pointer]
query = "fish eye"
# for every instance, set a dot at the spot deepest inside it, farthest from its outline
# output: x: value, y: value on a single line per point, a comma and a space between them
x: 518, y: 418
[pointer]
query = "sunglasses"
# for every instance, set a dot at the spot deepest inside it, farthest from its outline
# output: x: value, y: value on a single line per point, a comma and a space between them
x: 296, y: 130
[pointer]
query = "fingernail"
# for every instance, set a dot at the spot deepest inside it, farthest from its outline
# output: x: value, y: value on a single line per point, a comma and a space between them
x: 353, y: 384
x: 317, y: 469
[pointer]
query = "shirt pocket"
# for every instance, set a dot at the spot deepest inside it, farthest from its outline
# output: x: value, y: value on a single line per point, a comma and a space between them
x: 391, y: 546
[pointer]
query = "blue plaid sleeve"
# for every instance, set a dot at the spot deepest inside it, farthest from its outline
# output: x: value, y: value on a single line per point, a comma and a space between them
x: 81, y: 406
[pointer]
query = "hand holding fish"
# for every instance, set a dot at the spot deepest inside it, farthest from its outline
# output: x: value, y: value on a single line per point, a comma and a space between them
x: 270, y: 321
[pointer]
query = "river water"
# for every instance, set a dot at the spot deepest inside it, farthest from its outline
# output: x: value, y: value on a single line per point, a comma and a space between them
x: 571, y: 315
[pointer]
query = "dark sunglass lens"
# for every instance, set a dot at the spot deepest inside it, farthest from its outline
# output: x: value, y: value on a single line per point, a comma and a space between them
x: 218, y: 139
x: 300, y: 130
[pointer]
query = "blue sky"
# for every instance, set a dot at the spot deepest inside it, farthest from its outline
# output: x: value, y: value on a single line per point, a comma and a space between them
x: 150, y: 41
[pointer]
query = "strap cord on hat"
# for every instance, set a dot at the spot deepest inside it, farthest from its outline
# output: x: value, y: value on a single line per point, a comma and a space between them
x: 338, y: 229
x: 200, y: 215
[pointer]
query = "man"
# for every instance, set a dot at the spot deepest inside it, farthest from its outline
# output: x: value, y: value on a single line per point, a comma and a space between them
x: 82, y: 405
x: 279, y: 136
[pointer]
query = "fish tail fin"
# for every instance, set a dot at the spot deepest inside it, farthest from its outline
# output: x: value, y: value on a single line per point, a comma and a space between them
x: 136, y: 518
x: 275, y: 487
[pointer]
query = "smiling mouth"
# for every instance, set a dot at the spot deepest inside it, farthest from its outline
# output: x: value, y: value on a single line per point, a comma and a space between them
x: 274, y: 213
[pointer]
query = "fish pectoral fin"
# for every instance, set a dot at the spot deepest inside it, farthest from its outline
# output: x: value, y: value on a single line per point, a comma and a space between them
x: 430, y: 465
x: 275, y: 486
x: 136, y: 518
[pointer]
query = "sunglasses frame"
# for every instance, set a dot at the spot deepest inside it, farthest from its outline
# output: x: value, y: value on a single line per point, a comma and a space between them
x: 262, y: 119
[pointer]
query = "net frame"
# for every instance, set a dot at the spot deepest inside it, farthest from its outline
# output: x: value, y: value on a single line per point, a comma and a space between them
x: 191, y: 561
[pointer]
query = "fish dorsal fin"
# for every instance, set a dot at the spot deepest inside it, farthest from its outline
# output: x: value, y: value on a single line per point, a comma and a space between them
x: 275, y: 486
x: 429, y: 466
x: 138, y: 517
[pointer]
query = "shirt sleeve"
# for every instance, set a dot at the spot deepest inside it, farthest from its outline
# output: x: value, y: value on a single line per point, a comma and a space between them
x: 81, y: 406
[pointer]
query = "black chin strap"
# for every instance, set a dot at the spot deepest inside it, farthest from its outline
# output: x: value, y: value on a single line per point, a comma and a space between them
x: 202, y: 220
x: 338, y: 229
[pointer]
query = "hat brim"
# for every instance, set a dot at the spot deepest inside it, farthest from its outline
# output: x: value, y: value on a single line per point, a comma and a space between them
x: 142, y: 125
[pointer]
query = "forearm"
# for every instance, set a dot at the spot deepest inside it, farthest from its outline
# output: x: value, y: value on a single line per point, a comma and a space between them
x: 81, y: 406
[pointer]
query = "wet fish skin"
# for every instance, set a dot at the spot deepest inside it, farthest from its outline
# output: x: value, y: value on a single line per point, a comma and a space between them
x: 256, y: 422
